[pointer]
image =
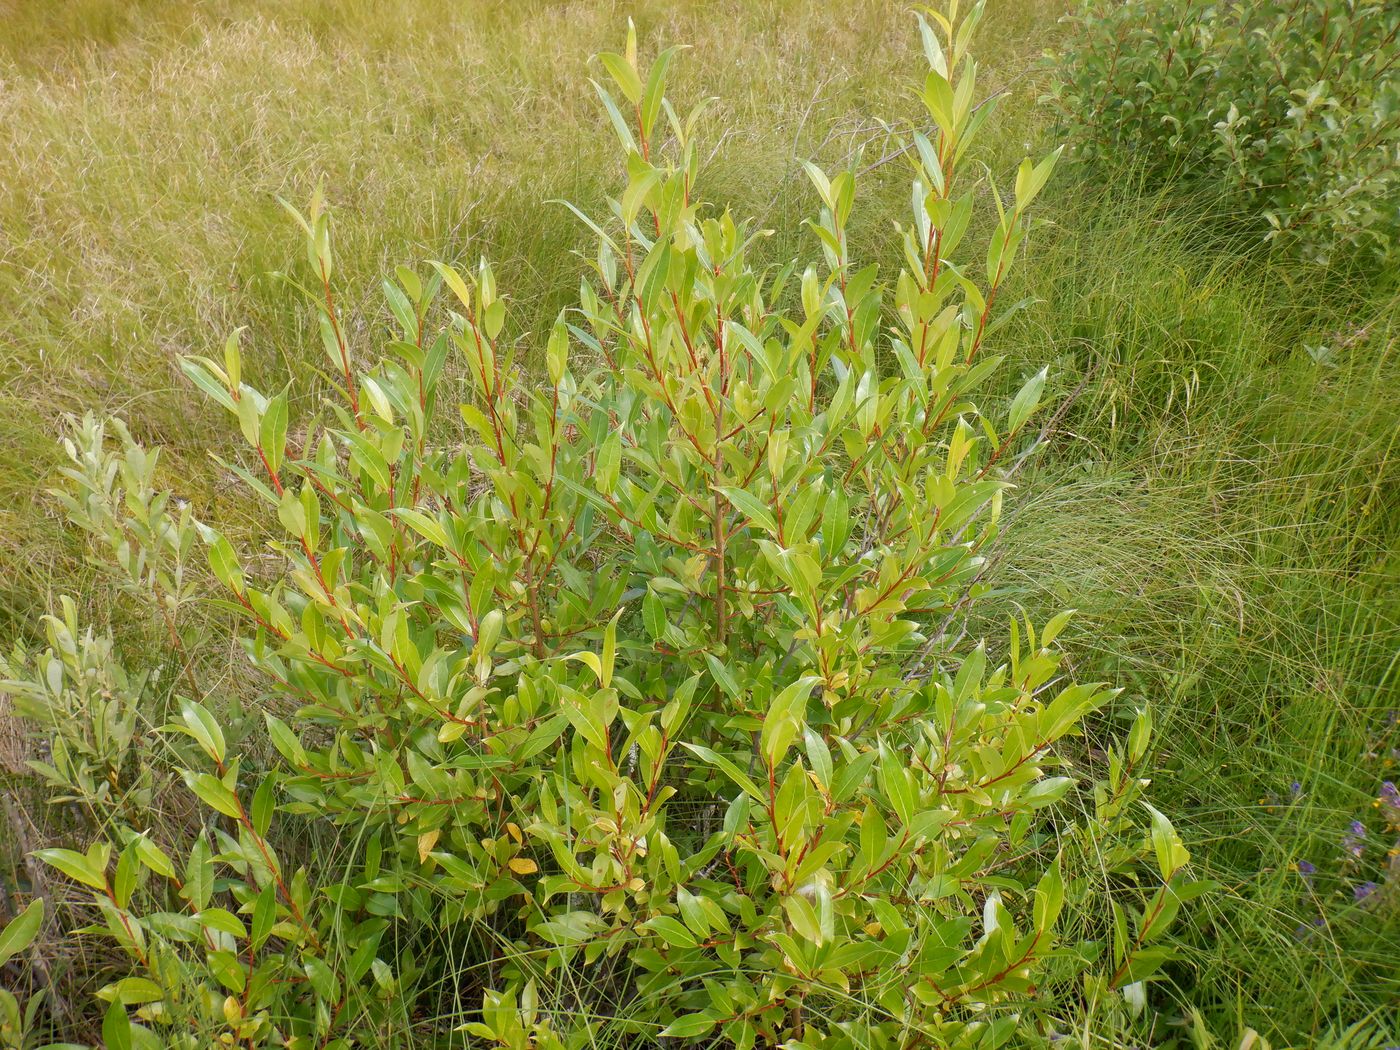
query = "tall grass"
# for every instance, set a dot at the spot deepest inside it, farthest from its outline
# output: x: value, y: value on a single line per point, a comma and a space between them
x: 1220, y: 502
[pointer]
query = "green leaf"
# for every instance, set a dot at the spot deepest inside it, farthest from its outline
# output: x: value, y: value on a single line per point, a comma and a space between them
x: 688, y: 1027
x: 894, y: 780
x: 836, y: 522
x: 938, y: 97
x: 1054, y: 626
x: 369, y: 459
x: 628, y: 82
x: 323, y: 979
x: 19, y: 932
x: 729, y: 769
x: 228, y: 970
x: 201, y: 725
x: 803, y: 918
x: 624, y: 135
x: 1171, y: 854
x: 557, y: 351
x: 490, y: 631
x: 672, y: 932
x: 495, y: 319
x: 116, y: 1027
x: 224, y: 564
x: 580, y: 712
x: 785, y: 719
x: 272, y: 432
x: 820, y: 181
x: 1025, y: 402
x: 264, y: 804
x: 285, y: 740
x: 654, y: 615
x: 223, y: 921
x: 1030, y: 180
x: 132, y: 991
x: 153, y: 857
x: 214, y: 794
x: 656, y: 85
x: 453, y: 280
x: 199, y: 373
x: 605, y: 674
x: 425, y: 526
x: 753, y: 508
x: 1049, y: 897
x: 199, y: 875
x: 75, y: 865
x: 570, y: 928
x: 607, y: 464
x: 378, y: 400
x: 124, y: 880
x: 818, y: 756
x: 591, y: 660
x: 636, y: 194
x: 1047, y: 792
x: 291, y: 512
x: 724, y: 676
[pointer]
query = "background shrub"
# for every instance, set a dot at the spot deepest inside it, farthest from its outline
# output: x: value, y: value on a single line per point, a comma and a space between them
x: 1293, y: 106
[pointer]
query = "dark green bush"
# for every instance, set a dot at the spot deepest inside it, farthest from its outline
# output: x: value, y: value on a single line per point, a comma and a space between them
x: 1293, y: 106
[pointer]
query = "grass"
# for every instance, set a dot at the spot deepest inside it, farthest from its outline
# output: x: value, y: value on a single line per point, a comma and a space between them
x: 1219, y: 502
x: 1221, y: 508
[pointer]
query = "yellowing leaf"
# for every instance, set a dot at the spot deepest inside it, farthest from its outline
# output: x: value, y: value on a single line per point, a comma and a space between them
x: 451, y: 731
x: 426, y: 842
x: 591, y: 659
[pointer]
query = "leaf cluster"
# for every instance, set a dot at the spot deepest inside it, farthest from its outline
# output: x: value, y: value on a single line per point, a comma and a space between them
x: 1291, y: 106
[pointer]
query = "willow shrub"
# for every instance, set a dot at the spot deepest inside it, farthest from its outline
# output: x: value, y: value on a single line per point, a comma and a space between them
x: 1292, y: 106
x: 635, y: 696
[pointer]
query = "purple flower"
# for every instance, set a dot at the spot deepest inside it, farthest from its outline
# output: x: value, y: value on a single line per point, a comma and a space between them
x: 1364, y: 890
x: 1295, y: 789
x: 1390, y: 798
x: 1302, y: 932
x: 1354, y: 841
x: 1307, y: 869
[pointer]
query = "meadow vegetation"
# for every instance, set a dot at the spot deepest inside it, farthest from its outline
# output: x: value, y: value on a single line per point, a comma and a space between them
x: 1209, y: 479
